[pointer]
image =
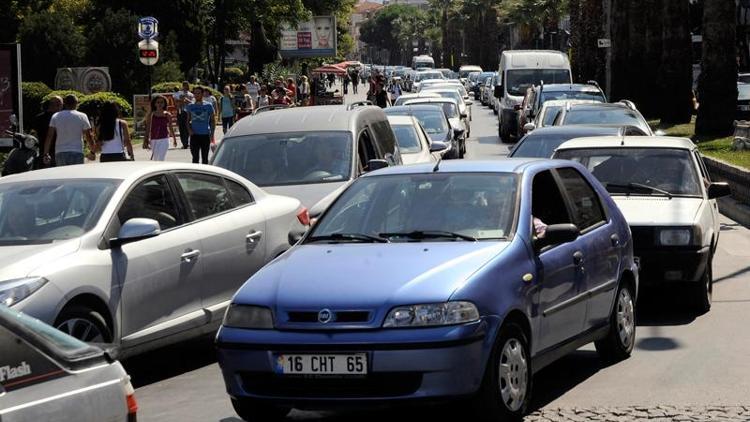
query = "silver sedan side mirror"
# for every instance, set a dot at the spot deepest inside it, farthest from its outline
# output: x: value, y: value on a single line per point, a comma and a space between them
x: 136, y: 229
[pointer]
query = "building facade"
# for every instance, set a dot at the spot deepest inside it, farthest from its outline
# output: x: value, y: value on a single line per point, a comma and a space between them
x: 363, y: 11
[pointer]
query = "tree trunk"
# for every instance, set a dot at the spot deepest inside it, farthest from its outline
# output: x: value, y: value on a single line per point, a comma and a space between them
x: 588, y: 60
x: 676, y: 79
x: 717, y: 88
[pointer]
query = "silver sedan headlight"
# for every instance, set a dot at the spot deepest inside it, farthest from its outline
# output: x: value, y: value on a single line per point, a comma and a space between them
x: 682, y: 236
x: 18, y: 289
x: 431, y: 315
x: 250, y: 317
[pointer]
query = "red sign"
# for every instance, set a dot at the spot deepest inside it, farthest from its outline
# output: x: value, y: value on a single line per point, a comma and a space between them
x: 149, y: 54
x: 9, y: 86
x: 304, y: 40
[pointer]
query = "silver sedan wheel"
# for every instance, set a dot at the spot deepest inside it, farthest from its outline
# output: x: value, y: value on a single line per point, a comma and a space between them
x: 513, y: 374
x: 625, y: 318
x: 81, y: 329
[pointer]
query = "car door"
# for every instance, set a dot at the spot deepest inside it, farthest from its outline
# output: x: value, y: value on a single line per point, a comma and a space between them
x: 558, y: 271
x: 714, y: 206
x: 599, y: 245
x: 160, y: 277
x: 232, y: 230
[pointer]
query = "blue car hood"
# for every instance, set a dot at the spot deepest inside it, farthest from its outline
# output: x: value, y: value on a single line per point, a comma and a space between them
x: 366, y: 276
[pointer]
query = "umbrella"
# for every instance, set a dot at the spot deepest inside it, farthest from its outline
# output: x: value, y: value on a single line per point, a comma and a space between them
x: 331, y: 68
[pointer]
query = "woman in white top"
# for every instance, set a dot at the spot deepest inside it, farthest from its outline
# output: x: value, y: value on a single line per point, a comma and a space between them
x: 113, y: 135
x: 263, y: 98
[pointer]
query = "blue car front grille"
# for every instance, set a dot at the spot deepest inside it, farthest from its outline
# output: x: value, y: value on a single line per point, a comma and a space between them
x: 339, y: 317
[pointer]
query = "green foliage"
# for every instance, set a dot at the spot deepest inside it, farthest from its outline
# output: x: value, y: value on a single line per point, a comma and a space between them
x: 49, y: 40
x: 62, y: 93
x: 167, y: 71
x: 91, y: 104
x: 233, y: 75
x: 276, y: 70
x: 33, y: 94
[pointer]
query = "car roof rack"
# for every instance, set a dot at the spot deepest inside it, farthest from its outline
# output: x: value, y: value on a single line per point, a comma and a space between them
x: 270, y: 108
x: 596, y: 84
x: 629, y: 104
x: 356, y: 104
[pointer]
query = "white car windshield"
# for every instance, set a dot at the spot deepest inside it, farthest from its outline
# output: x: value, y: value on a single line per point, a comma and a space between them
x: 50, y: 210
x: 292, y: 158
x: 649, y: 171
x: 521, y: 79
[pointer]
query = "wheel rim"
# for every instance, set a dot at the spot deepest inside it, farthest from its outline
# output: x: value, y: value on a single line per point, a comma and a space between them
x: 513, y: 373
x: 625, y: 317
x: 82, y: 329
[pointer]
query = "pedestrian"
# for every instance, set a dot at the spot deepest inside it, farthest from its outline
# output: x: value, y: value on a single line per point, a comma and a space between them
x: 69, y: 127
x: 209, y: 98
x: 381, y: 96
x: 228, y: 112
x: 183, y: 98
x: 304, y: 91
x: 396, y: 90
x: 331, y: 80
x: 355, y: 80
x: 263, y: 99
x: 253, y: 88
x: 280, y: 97
x: 200, y: 114
x: 347, y: 80
x: 41, y: 124
x: 159, y: 128
x: 291, y: 89
x: 113, y: 135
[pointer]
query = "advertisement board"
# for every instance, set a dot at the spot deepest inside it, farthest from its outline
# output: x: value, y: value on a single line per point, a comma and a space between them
x: 10, y: 90
x: 315, y: 38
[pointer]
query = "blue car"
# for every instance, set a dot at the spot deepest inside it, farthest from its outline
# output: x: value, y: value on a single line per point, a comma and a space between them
x: 425, y: 282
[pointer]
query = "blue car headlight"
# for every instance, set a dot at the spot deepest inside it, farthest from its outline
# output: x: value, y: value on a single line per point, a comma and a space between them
x: 250, y: 317
x: 16, y: 290
x: 431, y: 315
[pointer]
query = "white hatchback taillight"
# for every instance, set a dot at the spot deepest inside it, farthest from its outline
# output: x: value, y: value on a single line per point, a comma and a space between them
x: 304, y: 217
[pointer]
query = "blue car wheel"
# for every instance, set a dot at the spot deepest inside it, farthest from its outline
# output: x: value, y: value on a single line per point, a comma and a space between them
x: 256, y: 411
x: 619, y: 342
x: 506, y: 388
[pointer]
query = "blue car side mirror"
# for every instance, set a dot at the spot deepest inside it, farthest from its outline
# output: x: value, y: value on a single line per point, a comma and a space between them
x: 557, y: 234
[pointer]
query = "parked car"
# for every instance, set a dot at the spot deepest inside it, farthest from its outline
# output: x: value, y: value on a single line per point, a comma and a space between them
x: 487, y: 91
x: 494, y: 101
x: 455, y: 118
x: 621, y: 113
x: 447, y: 73
x: 464, y: 106
x: 435, y: 122
x: 309, y: 152
x: 547, y: 115
x: 156, y: 231
x: 665, y: 192
x: 429, y: 283
x: 477, y: 87
x: 414, y: 142
x: 542, y: 142
x: 538, y: 95
x: 47, y: 375
x: 743, y: 101
x: 519, y: 71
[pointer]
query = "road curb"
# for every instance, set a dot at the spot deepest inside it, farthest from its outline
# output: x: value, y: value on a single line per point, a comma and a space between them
x: 735, y: 210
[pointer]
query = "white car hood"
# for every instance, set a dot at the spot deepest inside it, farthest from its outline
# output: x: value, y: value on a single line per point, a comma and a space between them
x: 658, y: 210
x: 22, y: 261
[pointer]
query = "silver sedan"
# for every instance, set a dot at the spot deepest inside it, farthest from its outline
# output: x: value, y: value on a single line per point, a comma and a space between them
x: 135, y: 254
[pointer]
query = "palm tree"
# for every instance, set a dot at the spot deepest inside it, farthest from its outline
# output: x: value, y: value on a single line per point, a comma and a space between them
x: 717, y: 88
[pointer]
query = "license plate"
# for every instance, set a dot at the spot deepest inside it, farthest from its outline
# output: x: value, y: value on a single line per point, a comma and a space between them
x: 323, y: 364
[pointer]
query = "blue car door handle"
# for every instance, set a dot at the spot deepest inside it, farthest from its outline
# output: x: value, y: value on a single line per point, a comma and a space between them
x: 578, y: 258
x: 615, y: 239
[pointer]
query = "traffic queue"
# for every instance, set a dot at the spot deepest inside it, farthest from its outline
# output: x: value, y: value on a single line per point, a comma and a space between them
x: 340, y: 255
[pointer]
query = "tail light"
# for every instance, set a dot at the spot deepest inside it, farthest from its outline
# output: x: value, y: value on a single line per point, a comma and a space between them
x: 130, y: 400
x: 304, y: 217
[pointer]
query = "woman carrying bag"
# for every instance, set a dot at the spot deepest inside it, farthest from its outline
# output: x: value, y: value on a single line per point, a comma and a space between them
x: 113, y: 135
x: 159, y: 128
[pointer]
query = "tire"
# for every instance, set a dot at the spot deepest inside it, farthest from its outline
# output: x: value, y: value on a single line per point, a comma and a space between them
x: 252, y: 410
x: 619, y: 342
x: 703, y: 290
x: 462, y: 149
x: 497, y: 400
x: 84, y: 324
x: 503, y: 133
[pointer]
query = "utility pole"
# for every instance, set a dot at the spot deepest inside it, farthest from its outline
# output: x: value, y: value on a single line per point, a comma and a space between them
x: 608, y: 35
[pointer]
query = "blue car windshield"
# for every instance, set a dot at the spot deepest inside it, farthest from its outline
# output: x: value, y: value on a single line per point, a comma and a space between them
x: 478, y: 205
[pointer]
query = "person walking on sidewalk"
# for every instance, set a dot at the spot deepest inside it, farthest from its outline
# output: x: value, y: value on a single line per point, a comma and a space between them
x: 113, y: 135
x: 200, y: 114
x: 355, y: 80
x: 253, y: 88
x: 159, y: 128
x: 182, y: 99
x: 347, y: 80
x: 70, y: 127
x: 41, y: 124
x: 228, y: 112
x: 304, y: 91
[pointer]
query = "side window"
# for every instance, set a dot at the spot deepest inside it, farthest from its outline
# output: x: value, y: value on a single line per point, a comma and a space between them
x: 365, y: 149
x: 206, y: 194
x: 585, y: 203
x: 547, y: 202
x: 240, y: 195
x: 384, y: 138
x: 152, y: 199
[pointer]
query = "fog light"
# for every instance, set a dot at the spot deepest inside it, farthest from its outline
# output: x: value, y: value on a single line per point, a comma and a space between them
x: 673, y: 275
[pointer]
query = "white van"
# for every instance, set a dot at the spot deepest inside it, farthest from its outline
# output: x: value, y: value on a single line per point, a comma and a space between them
x: 422, y: 62
x: 520, y: 70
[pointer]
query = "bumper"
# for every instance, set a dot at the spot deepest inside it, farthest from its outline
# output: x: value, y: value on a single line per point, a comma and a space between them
x: 664, y: 266
x: 403, y: 364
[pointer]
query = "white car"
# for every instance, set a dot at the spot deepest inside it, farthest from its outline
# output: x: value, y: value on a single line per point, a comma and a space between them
x: 414, y: 142
x: 457, y: 121
x: 421, y: 76
x: 464, y: 106
x: 662, y: 187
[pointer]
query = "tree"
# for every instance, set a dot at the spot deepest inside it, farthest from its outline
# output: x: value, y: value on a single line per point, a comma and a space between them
x: 676, y: 75
x: 390, y: 28
x: 49, y: 40
x: 113, y: 42
x: 587, y: 59
x: 717, y: 87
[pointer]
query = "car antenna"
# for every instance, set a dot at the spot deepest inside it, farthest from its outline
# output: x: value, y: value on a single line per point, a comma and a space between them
x: 437, y: 165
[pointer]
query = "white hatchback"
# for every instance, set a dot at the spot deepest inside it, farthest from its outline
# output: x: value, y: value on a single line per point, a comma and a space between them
x: 664, y: 190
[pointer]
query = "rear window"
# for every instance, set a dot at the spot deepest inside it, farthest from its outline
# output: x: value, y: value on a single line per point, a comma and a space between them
x: 538, y: 146
x: 407, y: 137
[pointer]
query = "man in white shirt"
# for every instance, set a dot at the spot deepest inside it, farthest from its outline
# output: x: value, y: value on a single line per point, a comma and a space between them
x: 253, y: 89
x: 181, y: 99
x: 70, y: 126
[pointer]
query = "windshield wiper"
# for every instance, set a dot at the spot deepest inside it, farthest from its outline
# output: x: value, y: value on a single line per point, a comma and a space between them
x: 636, y: 186
x: 430, y: 234
x: 348, y: 237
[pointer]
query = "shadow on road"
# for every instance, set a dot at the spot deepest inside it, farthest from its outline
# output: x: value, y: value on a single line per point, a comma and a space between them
x: 170, y: 361
x: 664, y: 307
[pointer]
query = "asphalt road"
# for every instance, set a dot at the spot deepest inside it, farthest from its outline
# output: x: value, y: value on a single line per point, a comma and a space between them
x: 680, y: 360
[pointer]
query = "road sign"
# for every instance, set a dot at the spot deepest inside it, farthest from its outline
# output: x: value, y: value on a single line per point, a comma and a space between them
x: 604, y: 42
x: 148, y: 28
x: 148, y: 52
